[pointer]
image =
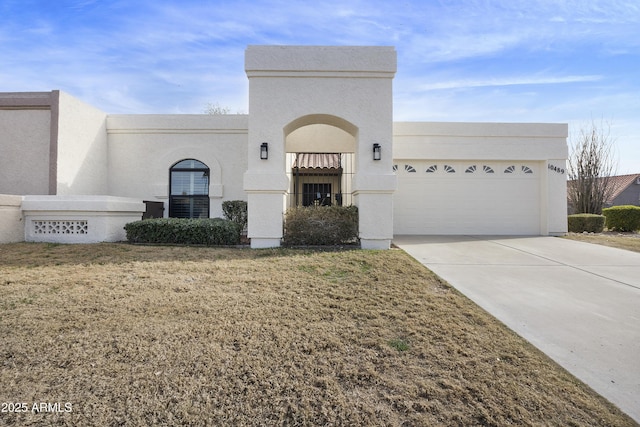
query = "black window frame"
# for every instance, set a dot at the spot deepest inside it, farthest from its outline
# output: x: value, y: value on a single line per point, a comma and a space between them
x: 190, y: 205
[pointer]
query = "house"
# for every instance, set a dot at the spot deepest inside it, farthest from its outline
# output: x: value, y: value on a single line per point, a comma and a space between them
x: 623, y: 189
x: 626, y: 190
x: 320, y: 131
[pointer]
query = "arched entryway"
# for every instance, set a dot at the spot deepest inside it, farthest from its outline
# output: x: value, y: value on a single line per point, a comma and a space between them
x: 300, y: 92
x: 320, y: 161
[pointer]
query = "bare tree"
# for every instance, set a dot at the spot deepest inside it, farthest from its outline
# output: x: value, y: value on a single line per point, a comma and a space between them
x: 591, y: 166
x: 216, y: 109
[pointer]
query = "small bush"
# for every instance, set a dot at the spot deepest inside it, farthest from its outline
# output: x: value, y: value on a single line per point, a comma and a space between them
x: 214, y: 231
x: 236, y: 211
x: 590, y: 223
x: 622, y: 218
x: 321, y: 225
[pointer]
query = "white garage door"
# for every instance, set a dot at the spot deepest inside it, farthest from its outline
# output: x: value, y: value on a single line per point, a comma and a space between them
x: 471, y: 197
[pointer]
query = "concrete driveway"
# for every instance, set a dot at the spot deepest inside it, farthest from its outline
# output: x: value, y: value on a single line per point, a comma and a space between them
x: 577, y: 302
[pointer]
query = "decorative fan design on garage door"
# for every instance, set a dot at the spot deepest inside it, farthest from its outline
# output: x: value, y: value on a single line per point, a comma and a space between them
x: 409, y: 168
x: 487, y: 169
x: 432, y: 169
x: 471, y: 169
x: 395, y: 168
x: 449, y: 169
x: 512, y: 169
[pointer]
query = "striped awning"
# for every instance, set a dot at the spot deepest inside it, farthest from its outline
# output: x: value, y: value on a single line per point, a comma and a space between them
x: 317, y: 161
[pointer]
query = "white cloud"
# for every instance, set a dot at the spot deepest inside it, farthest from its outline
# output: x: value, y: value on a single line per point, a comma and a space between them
x: 453, y: 47
x: 509, y: 81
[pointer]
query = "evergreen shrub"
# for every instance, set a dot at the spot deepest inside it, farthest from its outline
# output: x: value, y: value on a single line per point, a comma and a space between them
x: 321, y: 225
x: 622, y: 218
x: 209, y: 231
x: 591, y: 223
x: 236, y: 211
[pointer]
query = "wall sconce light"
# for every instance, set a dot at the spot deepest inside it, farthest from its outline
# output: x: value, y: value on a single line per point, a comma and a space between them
x: 264, y: 151
x: 377, y: 155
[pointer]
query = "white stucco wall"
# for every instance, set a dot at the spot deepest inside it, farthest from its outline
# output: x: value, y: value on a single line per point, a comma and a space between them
x: 24, y: 144
x: 142, y: 149
x: 11, y: 223
x: 290, y: 82
x: 481, y: 141
x: 82, y: 148
x: 320, y: 137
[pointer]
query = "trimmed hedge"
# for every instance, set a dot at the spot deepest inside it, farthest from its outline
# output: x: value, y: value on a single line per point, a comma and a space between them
x: 212, y: 231
x: 622, y: 218
x: 321, y: 225
x: 236, y: 211
x: 590, y: 223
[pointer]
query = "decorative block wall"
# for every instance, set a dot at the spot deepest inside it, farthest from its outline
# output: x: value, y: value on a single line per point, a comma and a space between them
x: 78, y: 219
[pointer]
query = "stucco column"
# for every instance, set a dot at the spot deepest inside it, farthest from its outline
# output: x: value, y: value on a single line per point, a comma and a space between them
x: 265, y: 199
x: 374, y: 197
x: 556, y: 192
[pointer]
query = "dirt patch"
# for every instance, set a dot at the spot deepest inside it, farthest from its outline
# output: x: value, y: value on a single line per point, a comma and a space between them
x: 131, y: 335
x: 628, y: 241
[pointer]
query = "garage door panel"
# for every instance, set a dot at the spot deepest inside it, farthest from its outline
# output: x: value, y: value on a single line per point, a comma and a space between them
x: 476, y: 202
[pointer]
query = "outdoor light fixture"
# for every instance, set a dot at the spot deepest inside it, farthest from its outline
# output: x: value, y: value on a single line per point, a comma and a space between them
x: 264, y: 151
x: 376, y: 152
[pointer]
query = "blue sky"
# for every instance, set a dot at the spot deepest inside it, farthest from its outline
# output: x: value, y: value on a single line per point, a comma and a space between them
x: 567, y: 61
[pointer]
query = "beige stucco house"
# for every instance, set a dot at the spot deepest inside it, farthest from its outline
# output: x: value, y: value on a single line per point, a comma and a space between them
x: 319, y: 131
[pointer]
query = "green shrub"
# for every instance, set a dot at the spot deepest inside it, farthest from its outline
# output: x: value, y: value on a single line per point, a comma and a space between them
x: 214, y: 231
x: 590, y: 223
x: 236, y: 211
x: 622, y: 218
x: 321, y: 225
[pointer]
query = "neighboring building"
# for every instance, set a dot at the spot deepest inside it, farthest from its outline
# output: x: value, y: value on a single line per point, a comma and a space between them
x: 626, y: 190
x: 319, y: 132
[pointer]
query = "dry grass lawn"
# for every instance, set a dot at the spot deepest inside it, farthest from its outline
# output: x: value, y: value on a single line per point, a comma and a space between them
x: 628, y: 241
x: 141, y: 335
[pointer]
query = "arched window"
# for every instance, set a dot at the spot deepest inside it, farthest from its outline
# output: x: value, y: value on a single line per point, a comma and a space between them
x: 189, y: 189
